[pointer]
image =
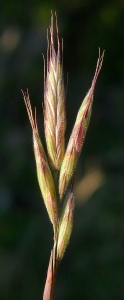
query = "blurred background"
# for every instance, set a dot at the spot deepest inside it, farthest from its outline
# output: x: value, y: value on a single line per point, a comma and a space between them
x: 93, y: 265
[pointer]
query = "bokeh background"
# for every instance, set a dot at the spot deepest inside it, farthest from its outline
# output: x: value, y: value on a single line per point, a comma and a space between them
x: 93, y: 266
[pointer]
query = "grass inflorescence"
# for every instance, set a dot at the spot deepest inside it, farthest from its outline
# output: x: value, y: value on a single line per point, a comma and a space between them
x: 56, y: 168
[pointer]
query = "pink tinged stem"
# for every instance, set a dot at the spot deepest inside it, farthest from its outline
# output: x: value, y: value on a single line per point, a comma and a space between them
x: 49, y: 280
x: 51, y: 275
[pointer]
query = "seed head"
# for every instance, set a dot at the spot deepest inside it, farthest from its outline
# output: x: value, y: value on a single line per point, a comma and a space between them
x: 43, y: 171
x: 78, y: 134
x: 54, y: 103
x: 66, y: 222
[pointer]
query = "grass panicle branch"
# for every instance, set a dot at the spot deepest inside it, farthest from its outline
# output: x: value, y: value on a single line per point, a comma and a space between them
x: 58, y: 194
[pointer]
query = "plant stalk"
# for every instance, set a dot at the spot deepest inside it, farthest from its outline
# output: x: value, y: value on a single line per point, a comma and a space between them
x: 49, y: 289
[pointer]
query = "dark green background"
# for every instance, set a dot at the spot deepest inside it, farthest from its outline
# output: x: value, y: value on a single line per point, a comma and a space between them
x: 93, y: 266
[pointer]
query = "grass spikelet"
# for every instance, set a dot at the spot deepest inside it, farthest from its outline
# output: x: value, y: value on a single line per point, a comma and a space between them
x: 66, y: 222
x: 78, y: 134
x: 43, y: 172
x: 54, y: 102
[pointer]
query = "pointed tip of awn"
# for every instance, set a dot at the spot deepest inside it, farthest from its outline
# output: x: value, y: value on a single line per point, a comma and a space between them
x: 32, y: 119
